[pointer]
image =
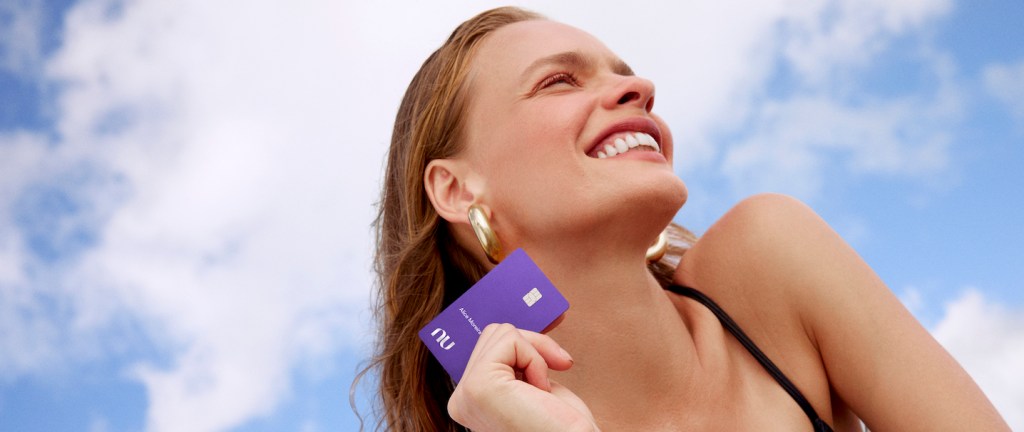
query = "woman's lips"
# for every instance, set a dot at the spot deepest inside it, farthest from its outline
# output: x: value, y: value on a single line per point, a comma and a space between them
x: 622, y: 142
x: 619, y: 137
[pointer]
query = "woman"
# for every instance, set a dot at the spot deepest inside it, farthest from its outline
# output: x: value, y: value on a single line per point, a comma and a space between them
x: 552, y: 137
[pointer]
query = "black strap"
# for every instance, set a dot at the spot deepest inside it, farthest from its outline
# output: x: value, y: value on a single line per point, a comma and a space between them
x: 766, y: 363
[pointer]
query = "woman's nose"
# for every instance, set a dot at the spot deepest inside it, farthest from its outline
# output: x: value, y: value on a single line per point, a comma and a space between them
x: 631, y: 91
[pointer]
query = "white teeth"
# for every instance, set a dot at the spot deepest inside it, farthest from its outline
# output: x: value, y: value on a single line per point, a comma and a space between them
x: 625, y: 142
x: 644, y: 138
x: 621, y: 145
x: 648, y: 140
x: 631, y: 140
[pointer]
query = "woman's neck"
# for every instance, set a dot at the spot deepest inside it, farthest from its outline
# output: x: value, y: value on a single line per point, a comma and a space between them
x: 624, y: 333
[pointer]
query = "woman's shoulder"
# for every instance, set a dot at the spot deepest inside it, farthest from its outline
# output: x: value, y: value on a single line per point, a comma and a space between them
x: 813, y: 305
x: 759, y: 263
x: 773, y: 257
x: 764, y: 262
x: 764, y: 218
x: 828, y: 321
x: 767, y: 242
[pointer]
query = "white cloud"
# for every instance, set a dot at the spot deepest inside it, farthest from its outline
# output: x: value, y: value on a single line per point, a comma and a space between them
x: 795, y: 145
x: 19, y: 36
x: 1006, y: 83
x: 27, y: 344
x: 825, y: 41
x: 239, y: 237
x: 826, y: 126
x: 913, y: 300
x: 20, y: 155
x: 988, y: 340
x: 239, y: 146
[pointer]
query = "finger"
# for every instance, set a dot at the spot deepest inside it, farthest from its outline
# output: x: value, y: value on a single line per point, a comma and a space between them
x: 491, y: 336
x: 520, y: 350
x: 554, y: 355
x: 515, y: 348
x: 531, y: 362
x: 504, y: 349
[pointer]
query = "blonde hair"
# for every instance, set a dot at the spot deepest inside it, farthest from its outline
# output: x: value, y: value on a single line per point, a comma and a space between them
x: 420, y: 268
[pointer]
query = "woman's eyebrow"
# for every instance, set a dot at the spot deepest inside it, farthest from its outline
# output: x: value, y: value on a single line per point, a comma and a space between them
x: 568, y: 58
x: 575, y: 60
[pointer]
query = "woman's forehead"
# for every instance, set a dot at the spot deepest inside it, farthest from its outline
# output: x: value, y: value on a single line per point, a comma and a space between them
x: 513, y: 49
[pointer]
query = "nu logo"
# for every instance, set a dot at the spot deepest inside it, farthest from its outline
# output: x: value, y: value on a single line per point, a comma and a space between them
x: 442, y: 338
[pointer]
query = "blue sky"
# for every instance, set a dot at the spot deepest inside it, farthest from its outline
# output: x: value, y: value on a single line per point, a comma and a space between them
x: 186, y: 189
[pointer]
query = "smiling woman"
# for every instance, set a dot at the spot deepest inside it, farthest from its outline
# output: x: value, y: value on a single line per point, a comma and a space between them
x: 553, y: 138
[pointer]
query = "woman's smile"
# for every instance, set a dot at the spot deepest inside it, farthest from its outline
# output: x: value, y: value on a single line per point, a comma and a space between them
x: 631, y: 138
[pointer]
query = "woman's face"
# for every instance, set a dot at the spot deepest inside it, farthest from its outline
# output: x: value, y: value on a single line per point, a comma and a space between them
x: 560, y: 133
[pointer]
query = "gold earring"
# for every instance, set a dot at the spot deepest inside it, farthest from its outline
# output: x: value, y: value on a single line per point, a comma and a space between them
x: 488, y: 239
x: 658, y: 249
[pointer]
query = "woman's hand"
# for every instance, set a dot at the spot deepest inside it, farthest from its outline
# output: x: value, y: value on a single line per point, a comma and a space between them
x: 490, y: 397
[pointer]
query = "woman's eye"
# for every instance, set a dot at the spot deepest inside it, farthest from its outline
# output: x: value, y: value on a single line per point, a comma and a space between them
x: 559, y: 78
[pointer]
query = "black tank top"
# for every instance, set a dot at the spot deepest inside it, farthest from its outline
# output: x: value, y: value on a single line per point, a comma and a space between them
x: 766, y: 363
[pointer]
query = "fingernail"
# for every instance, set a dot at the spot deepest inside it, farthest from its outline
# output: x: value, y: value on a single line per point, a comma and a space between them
x: 566, y: 355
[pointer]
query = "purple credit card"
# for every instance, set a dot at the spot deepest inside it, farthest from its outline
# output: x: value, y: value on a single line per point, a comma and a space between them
x: 514, y: 292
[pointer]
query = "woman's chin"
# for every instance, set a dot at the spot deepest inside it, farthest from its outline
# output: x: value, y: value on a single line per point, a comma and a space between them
x: 665, y: 199
x: 652, y: 200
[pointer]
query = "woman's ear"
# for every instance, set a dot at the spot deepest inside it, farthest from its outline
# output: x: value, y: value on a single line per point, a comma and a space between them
x: 447, y: 186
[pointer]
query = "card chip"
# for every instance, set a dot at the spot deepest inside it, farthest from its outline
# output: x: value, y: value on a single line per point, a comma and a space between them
x: 531, y: 297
